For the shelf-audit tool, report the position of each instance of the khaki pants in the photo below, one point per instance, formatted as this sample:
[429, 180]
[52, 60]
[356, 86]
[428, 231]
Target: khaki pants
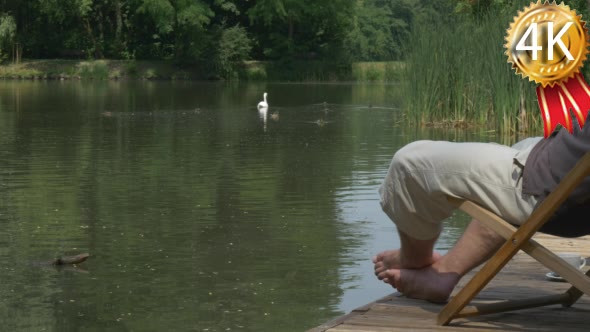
[423, 173]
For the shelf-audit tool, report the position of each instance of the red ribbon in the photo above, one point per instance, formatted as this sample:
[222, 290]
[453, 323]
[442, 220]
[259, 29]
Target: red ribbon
[555, 103]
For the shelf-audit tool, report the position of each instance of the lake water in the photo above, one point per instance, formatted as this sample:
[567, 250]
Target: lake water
[199, 212]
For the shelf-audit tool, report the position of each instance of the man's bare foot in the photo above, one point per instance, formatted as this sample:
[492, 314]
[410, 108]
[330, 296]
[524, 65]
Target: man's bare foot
[429, 283]
[393, 259]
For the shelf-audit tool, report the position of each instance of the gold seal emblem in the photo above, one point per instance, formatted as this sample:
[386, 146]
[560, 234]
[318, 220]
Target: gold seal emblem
[547, 43]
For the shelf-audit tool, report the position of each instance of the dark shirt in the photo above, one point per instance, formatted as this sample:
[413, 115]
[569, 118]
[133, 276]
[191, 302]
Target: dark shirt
[552, 158]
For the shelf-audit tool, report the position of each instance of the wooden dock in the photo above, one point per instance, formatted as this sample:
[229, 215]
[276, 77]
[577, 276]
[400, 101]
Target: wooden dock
[523, 277]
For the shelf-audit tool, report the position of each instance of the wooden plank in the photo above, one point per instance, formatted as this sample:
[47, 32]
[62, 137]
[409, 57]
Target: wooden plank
[357, 311]
[415, 319]
[519, 280]
[488, 218]
[428, 314]
[393, 313]
[360, 328]
[408, 317]
[512, 305]
[566, 271]
[575, 293]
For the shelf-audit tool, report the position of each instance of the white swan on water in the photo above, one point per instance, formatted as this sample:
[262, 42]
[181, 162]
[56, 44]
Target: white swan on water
[263, 104]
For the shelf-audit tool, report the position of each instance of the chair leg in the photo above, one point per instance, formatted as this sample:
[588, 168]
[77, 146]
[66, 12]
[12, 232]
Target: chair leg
[574, 294]
[478, 282]
[566, 299]
[496, 307]
[514, 243]
[533, 248]
[490, 269]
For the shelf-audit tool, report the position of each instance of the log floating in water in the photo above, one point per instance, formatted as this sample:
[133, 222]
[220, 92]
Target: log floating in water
[77, 259]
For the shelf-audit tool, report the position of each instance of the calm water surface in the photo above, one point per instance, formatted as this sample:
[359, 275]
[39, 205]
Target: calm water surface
[200, 213]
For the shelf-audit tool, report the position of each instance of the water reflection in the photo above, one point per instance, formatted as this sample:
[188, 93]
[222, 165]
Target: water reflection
[263, 113]
[199, 212]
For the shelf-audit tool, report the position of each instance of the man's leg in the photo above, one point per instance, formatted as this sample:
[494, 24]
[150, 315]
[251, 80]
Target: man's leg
[413, 254]
[420, 177]
[423, 174]
[436, 282]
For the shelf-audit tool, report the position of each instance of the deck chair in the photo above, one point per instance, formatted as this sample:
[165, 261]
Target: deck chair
[520, 239]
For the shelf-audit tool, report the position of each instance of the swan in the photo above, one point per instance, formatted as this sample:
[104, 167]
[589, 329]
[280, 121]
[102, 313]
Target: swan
[263, 104]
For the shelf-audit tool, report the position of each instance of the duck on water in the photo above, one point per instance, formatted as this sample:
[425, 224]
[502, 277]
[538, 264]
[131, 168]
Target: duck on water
[64, 260]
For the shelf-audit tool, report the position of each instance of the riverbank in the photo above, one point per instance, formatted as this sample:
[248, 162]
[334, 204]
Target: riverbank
[165, 70]
[96, 70]
[499, 106]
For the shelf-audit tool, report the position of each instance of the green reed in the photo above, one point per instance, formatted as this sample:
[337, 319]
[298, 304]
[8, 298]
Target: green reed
[457, 73]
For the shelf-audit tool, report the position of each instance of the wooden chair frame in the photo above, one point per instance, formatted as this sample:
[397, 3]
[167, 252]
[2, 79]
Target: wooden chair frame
[520, 239]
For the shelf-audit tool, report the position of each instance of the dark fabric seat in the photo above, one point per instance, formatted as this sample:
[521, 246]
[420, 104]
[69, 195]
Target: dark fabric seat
[569, 222]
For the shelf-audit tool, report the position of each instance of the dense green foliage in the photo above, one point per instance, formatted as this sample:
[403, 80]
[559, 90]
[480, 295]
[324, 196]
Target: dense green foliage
[214, 34]
[379, 29]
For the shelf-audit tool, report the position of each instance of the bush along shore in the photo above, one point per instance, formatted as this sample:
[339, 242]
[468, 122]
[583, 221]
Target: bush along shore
[97, 70]
[311, 71]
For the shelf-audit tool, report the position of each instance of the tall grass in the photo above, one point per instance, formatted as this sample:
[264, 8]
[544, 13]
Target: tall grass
[315, 70]
[384, 71]
[458, 73]
[98, 70]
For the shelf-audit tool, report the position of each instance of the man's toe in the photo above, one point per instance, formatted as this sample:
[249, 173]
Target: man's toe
[394, 277]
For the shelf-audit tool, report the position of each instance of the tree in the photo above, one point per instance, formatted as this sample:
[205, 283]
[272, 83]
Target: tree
[379, 29]
[234, 47]
[7, 36]
[178, 24]
[301, 28]
[74, 23]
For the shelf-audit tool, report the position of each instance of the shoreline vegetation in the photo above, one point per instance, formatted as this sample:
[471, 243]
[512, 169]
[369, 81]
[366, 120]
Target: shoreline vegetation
[464, 79]
[447, 55]
[300, 71]
[307, 71]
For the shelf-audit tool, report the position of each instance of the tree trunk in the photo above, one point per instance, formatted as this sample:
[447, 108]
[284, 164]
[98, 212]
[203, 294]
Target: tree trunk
[118, 27]
[91, 36]
[119, 21]
[178, 46]
[291, 28]
[290, 36]
[99, 52]
[17, 52]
